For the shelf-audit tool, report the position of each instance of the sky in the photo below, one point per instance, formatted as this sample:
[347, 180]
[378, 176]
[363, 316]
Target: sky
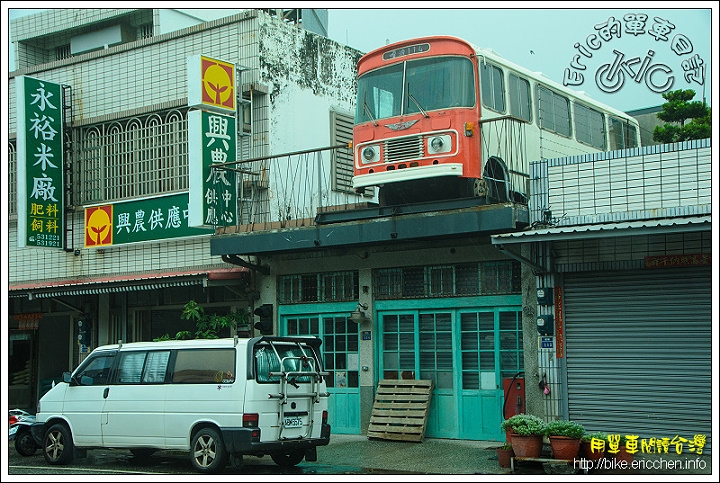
[542, 40]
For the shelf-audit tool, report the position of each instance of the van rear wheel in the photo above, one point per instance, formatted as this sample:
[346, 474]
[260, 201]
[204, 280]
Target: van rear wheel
[288, 459]
[207, 452]
[58, 447]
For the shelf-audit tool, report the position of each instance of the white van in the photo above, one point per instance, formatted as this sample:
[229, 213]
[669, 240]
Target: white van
[218, 399]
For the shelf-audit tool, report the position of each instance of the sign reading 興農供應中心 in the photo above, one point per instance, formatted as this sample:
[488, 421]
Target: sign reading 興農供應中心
[212, 142]
[40, 163]
[148, 219]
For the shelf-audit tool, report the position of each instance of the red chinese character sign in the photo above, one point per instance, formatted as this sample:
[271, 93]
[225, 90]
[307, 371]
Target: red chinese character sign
[40, 163]
[212, 141]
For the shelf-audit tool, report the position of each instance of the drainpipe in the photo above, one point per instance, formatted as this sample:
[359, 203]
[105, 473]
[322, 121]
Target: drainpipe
[236, 260]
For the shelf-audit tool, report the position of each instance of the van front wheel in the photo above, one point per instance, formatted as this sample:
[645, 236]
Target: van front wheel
[58, 448]
[288, 459]
[207, 452]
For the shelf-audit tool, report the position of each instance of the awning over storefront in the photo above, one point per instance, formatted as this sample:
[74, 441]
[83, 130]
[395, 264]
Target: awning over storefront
[126, 283]
[605, 230]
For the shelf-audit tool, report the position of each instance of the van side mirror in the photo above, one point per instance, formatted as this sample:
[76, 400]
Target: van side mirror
[66, 377]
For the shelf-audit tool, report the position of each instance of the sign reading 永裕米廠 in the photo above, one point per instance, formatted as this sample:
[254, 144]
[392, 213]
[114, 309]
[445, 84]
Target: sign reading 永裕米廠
[212, 141]
[40, 163]
[148, 219]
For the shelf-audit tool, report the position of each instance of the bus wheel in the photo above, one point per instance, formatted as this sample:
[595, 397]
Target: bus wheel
[58, 448]
[288, 459]
[475, 187]
[496, 176]
[207, 452]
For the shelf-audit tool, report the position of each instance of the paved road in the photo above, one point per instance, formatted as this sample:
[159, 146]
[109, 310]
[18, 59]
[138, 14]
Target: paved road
[167, 464]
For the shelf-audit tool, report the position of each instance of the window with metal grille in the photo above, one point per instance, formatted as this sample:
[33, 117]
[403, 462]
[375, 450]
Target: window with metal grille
[133, 157]
[62, 52]
[482, 278]
[318, 287]
[145, 31]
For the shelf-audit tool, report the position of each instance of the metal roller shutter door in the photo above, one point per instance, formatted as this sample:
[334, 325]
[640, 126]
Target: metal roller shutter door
[639, 351]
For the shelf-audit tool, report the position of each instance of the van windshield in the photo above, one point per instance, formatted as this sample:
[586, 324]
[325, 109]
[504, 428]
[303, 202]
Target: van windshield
[271, 360]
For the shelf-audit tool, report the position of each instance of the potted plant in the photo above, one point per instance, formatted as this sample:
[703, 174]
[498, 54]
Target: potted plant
[616, 447]
[526, 434]
[564, 438]
[504, 453]
[593, 450]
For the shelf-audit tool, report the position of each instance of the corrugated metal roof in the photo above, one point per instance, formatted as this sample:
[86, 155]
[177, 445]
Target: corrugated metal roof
[627, 228]
[122, 283]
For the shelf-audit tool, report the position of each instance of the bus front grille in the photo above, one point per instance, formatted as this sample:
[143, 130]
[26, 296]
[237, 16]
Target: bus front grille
[403, 149]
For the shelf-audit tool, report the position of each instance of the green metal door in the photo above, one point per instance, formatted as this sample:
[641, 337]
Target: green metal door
[466, 352]
[340, 354]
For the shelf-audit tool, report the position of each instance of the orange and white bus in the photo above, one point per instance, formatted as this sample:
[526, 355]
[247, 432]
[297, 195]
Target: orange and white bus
[439, 118]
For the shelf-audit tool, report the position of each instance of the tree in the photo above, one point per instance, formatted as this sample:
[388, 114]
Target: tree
[684, 120]
[207, 325]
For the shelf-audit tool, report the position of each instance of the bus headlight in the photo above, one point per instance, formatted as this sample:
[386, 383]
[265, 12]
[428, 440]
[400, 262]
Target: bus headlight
[439, 144]
[370, 154]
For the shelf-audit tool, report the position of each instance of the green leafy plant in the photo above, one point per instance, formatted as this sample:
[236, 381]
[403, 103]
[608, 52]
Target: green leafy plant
[620, 438]
[524, 424]
[562, 427]
[684, 118]
[207, 326]
[587, 437]
[506, 446]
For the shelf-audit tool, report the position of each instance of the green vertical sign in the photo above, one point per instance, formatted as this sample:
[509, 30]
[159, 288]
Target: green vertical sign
[40, 161]
[212, 140]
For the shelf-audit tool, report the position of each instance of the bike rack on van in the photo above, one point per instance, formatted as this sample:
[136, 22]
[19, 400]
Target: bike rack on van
[305, 367]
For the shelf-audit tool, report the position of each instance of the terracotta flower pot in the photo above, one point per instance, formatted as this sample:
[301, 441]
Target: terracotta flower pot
[623, 455]
[527, 446]
[563, 447]
[587, 452]
[504, 456]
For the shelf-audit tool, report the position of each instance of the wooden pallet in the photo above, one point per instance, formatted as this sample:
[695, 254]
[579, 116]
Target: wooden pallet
[401, 408]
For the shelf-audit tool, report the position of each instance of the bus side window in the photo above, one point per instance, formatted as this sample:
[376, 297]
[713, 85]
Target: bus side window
[520, 97]
[492, 87]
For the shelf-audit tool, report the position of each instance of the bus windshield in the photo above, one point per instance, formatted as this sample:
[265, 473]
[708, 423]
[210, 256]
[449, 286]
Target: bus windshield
[415, 86]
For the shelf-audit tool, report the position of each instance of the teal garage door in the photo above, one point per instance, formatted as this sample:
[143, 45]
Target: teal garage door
[466, 352]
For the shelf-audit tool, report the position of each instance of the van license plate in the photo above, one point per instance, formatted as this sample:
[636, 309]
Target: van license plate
[293, 422]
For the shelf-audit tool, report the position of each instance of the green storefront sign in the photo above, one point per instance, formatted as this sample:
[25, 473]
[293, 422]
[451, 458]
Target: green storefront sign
[212, 140]
[40, 163]
[149, 219]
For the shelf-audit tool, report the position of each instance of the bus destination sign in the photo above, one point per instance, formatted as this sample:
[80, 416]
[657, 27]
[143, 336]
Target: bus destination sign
[409, 50]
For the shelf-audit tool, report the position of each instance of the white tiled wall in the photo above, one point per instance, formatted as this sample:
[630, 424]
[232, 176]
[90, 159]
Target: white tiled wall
[143, 74]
